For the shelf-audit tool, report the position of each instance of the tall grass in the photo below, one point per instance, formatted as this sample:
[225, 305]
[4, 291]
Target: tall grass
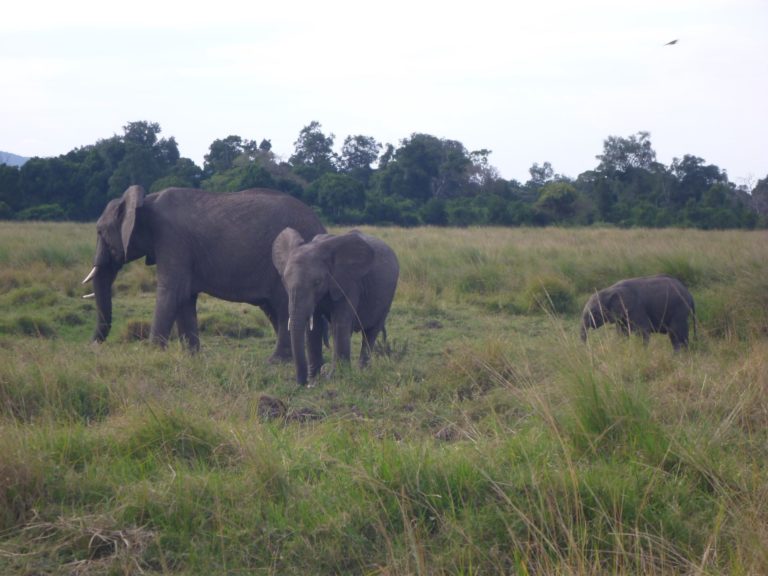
[488, 439]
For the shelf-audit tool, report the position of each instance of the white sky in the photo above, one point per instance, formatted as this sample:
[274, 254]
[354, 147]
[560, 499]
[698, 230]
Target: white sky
[536, 81]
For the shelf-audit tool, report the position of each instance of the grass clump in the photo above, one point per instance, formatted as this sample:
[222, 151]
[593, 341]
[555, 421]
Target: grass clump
[483, 280]
[136, 331]
[682, 268]
[611, 417]
[28, 325]
[37, 296]
[231, 326]
[178, 436]
[22, 486]
[30, 392]
[548, 293]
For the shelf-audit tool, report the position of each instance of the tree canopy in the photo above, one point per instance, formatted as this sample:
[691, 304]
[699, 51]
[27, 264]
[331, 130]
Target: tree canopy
[424, 179]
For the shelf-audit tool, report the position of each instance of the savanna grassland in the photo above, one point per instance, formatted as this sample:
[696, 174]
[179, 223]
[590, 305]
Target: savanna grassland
[485, 438]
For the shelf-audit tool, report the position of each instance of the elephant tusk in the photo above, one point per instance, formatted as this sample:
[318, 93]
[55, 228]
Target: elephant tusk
[312, 323]
[91, 295]
[289, 323]
[90, 276]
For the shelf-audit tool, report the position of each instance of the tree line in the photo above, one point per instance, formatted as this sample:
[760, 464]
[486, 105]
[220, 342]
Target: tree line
[424, 180]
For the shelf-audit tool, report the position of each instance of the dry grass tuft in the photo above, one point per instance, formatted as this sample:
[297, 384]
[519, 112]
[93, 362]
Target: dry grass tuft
[87, 545]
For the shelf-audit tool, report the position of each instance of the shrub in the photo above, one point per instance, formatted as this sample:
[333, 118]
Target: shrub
[21, 485]
[37, 295]
[485, 279]
[177, 435]
[51, 212]
[26, 325]
[548, 293]
[680, 267]
[136, 330]
[224, 325]
[28, 392]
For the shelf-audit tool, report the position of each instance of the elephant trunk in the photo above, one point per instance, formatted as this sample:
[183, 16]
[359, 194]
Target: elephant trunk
[102, 289]
[103, 276]
[591, 317]
[297, 325]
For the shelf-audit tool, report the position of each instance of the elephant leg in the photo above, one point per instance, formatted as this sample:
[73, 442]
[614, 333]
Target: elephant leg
[278, 316]
[678, 335]
[342, 336]
[166, 309]
[644, 327]
[366, 348]
[186, 321]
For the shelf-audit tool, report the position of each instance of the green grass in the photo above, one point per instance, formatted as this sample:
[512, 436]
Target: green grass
[486, 438]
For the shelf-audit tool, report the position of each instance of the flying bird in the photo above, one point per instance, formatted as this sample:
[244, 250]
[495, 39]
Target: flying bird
[671, 42]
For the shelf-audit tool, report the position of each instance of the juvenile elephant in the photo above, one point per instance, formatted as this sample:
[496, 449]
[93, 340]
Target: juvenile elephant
[648, 304]
[216, 243]
[349, 279]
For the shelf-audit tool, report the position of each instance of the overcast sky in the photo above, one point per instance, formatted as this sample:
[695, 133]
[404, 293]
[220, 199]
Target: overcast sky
[536, 81]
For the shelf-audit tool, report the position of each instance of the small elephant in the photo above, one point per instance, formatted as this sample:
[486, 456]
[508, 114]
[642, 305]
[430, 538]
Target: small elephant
[216, 243]
[350, 279]
[648, 304]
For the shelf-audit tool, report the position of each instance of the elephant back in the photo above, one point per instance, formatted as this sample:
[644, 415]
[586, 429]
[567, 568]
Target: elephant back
[227, 237]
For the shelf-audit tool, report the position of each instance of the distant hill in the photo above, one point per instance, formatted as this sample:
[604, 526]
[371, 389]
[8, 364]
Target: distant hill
[12, 159]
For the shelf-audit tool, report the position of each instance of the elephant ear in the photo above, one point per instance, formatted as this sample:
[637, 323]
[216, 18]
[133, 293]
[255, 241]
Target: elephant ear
[133, 198]
[285, 243]
[351, 258]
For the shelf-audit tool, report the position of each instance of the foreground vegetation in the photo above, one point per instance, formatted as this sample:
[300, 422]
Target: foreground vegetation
[485, 438]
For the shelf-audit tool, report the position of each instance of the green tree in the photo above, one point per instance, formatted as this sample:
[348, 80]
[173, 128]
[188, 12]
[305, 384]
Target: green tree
[694, 177]
[463, 212]
[433, 212]
[313, 153]
[358, 153]
[540, 175]
[557, 201]
[184, 174]
[759, 199]
[222, 153]
[10, 194]
[384, 210]
[620, 154]
[146, 158]
[482, 173]
[427, 167]
[340, 197]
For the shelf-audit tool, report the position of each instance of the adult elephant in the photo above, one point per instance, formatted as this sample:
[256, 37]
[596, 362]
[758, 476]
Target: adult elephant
[216, 243]
[349, 279]
[645, 305]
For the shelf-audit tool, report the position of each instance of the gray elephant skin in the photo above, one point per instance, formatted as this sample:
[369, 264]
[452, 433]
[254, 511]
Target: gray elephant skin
[349, 279]
[643, 305]
[216, 243]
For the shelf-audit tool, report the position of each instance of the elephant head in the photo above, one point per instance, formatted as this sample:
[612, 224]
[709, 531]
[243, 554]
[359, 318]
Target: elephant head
[602, 307]
[118, 242]
[328, 267]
